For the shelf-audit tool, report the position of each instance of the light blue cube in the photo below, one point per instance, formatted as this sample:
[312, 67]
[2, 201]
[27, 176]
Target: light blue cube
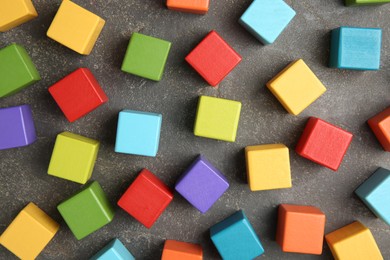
[375, 193]
[115, 250]
[266, 19]
[356, 48]
[138, 133]
[235, 238]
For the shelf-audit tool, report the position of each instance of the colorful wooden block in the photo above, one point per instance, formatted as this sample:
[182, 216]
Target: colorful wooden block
[375, 193]
[17, 127]
[266, 19]
[189, 6]
[75, 27]
[15, 12]
[17, 71]
[296, 87]
[202, 184]
[380, 125]
[29, 232]
[235, 238]
[86, 211]
[73, 157]
[213, 58]
[115, 250]
[138, 133]
[356, 48]
[324, 143]
[78, 94]
[300, 229]
[146, 198]
[365, 2]
[217, 118]
[177, 250]
[268, 167]
[146, 56]
[353, 241]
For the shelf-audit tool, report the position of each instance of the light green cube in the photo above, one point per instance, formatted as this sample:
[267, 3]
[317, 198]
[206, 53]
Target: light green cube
[217, 118]
[73, 157]
[365, 2]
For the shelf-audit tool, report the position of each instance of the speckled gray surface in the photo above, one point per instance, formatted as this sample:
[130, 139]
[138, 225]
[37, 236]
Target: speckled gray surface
[352, 97]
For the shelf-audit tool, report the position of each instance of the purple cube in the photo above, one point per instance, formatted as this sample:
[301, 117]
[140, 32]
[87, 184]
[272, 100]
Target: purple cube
[16, 127]
[202, 184]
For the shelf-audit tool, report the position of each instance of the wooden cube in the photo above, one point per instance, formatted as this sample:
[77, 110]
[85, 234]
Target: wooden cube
[177, 250]
[268, 167]
[29, 232]
[300, 229]
[115, 250]
[189, 6]
[296, 87]
[324, 143]
[353, 241]
[15, 12]
[75, 27]
[73, 157]
[380, 125]
[365, 2]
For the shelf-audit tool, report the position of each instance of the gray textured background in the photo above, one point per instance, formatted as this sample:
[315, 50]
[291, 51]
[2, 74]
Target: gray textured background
[351, 98]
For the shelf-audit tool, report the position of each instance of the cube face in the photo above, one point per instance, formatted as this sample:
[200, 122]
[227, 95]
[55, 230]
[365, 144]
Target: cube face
[17, 71]
[353, 241]
[146, 198]
[296, 87]
[86, 211]
[365, 2]
[115, 250]
[189, 6]
[300, 229]
[16, 12]
[75, 27]
[380, 125]
[177, 250]
[268, 167]
[78, 94]
[146, 56]
[324, 143]
[217, 118]
[29, 232]
[356, 48]
[235, 238]
[138, 133]
[202, 184]
[375, 193]
[266, 19]
[213, 58]
[17, 127]
[73, 157]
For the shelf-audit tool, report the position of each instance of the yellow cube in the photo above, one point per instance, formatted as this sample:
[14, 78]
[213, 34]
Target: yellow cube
[29, 233]
[353, 241]
[268, 167]
[75, 27]
[15, 12]
[296, 87]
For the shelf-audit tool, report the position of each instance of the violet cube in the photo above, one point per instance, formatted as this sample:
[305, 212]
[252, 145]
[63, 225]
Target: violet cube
[16, 127]
[202, 184]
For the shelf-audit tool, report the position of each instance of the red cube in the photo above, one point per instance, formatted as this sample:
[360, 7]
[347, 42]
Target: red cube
[146, 198]
[380, 125]
[213, 58]
[324, 143]
[78, 94]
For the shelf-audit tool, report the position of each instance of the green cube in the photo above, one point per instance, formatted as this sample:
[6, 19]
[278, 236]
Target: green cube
[365, 2]
[17, 71]
[87, 211]
[217, 118]
[146, 56]
[73, 157]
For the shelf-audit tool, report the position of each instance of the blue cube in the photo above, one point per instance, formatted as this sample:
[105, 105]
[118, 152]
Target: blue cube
[235, 238]
[115, 250]
[266, 19]
[375, 193]
[356, 48]
[138, 133]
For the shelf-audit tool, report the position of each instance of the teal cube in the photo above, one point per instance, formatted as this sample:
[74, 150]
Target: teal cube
[235, 238]
[138, 133]
[375, 193]
[86, 211]
[115, 250]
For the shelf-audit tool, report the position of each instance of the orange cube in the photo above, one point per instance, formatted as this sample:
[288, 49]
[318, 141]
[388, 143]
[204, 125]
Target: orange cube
[300, 229]
[176, 250]
[189, 6]
[380, 125]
